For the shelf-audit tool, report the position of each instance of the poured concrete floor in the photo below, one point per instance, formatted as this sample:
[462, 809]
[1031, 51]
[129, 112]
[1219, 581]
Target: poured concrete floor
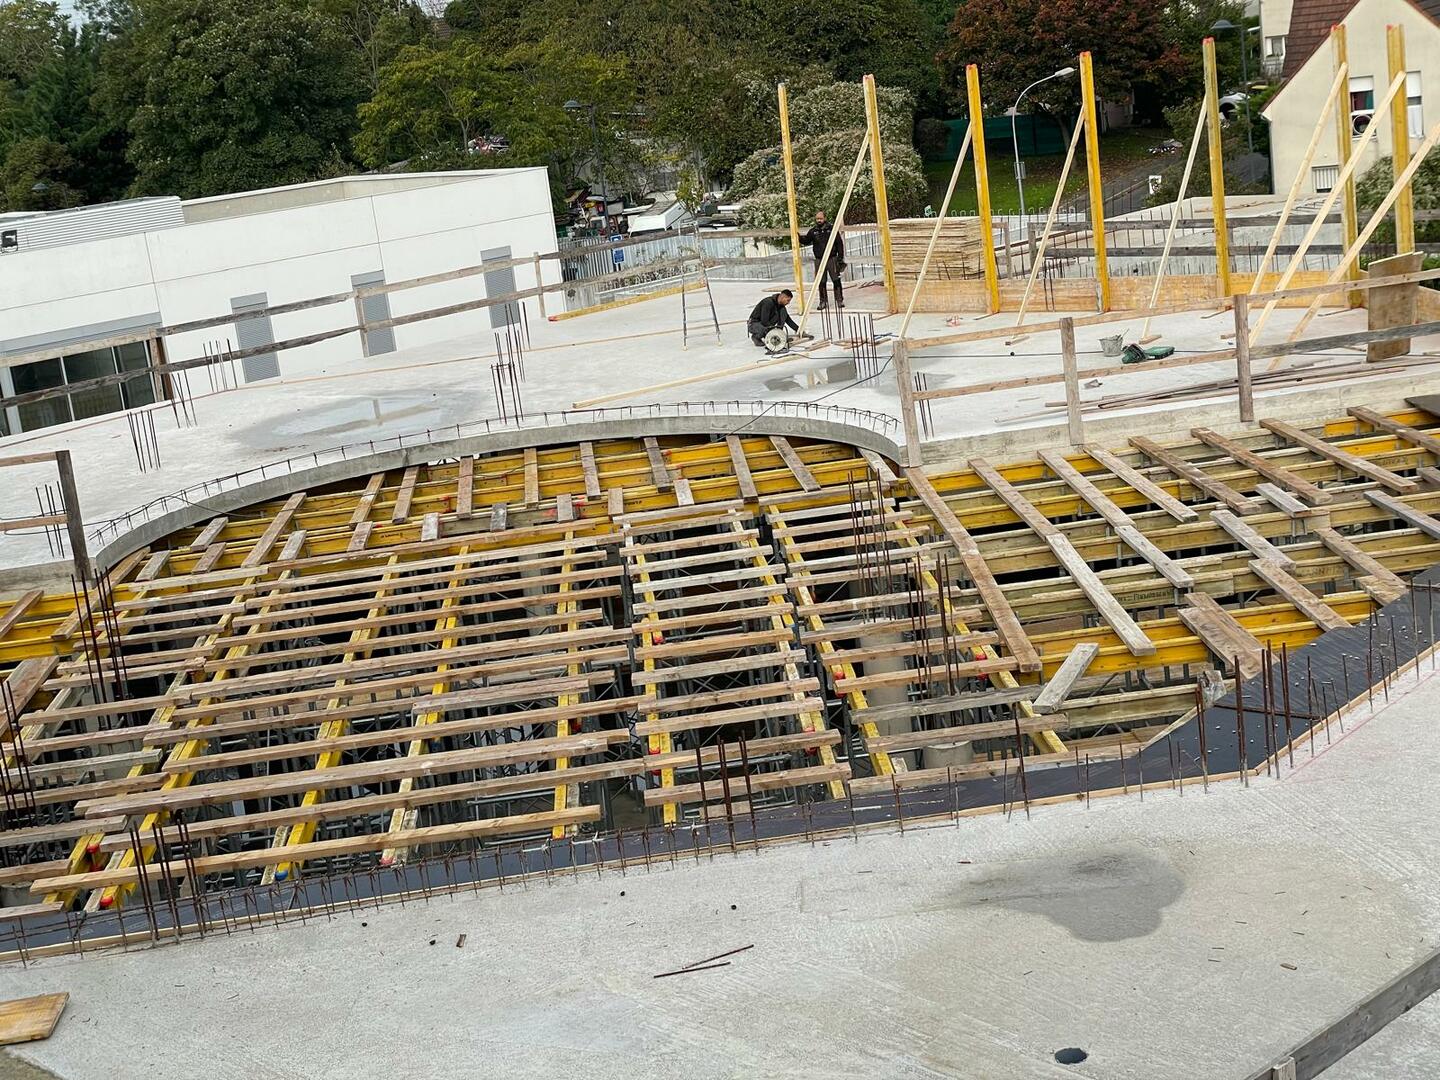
[438, 386]
[1155, 936]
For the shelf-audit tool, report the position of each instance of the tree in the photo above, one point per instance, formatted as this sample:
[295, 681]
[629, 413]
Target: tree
[827, 126]
[1371, 188]
[33, 177]
[379, 29]
[1016, 42]
[236, 95]
[1177, 73]
[30, 32]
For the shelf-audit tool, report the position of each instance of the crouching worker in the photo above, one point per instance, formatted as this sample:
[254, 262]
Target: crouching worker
[770, 313]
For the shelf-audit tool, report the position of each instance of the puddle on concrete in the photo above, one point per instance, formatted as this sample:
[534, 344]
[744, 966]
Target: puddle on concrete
[781, 386]
[840, 372]
[1108, 896]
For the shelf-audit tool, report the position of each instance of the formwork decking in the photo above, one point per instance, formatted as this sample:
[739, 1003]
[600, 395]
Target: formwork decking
[557, 641]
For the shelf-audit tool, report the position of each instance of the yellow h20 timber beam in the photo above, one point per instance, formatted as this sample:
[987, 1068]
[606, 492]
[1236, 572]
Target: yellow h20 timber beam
[882, 202]
[982, 190]
[788, 158]
[1092, 169]
[1344, 145]
[1400, 138]
[1217, 172]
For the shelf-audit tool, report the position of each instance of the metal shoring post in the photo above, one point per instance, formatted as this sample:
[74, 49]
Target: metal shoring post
[1242, 751]
[1200, 731]
[1285, 694]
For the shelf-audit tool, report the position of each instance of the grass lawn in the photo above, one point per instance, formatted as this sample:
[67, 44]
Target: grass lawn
[1120, 152]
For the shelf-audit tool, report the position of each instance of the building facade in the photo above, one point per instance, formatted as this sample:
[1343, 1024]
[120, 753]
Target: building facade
[1309, 71]
[71, 279]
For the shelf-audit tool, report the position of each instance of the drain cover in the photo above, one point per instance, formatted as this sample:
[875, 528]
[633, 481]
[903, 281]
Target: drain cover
[1070, 1055]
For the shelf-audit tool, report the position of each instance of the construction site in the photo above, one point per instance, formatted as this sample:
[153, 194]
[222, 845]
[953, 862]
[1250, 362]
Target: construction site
[1029, 673]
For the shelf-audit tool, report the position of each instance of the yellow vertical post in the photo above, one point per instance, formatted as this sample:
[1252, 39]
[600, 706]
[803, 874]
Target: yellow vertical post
[1217, 172]
[982, 189]
[1400, 137]
[785, 153]
[1092, 169]
[882, 203]
[1344, 145]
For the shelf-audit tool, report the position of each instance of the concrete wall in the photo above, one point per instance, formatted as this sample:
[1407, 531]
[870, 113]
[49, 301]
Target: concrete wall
[1295, 109]
[292, 249]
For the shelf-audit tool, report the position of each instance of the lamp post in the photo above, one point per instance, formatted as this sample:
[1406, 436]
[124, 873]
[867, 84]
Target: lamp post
[1219, 27]
[575, 106]
[1015, 142]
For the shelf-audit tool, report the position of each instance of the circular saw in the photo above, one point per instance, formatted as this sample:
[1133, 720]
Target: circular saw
[780, 339]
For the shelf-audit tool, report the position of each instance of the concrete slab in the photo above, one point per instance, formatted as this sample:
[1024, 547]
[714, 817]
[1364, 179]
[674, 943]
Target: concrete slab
[577, 359]
[1185, 935]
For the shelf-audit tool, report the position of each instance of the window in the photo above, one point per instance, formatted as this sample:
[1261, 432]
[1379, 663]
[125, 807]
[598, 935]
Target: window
[78, 367]
[1362, 104]
[41, 376]
[1275, 48]
[1323, 177]
[1414, 112]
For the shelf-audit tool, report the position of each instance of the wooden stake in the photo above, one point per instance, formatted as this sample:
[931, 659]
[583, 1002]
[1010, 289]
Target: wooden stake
[1345, 147]
[788, 159]
[1074, 423]
[1217, 170]
[882, 204]
[1400, 142]
[982, 191]
[1174, 222]
[1242, 357]
[1092, 166]
[1039, 257]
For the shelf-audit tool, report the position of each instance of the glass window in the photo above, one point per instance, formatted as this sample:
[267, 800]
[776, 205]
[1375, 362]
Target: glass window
[1362, 104]
[1275, 46]
[94, 400]
[41, 376]
[140, 390]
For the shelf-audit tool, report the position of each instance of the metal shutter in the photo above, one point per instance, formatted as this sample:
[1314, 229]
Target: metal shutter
[250, 333]
[376, 309]
[500, 283]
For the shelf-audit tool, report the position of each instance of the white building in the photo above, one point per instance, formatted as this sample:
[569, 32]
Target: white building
[1309, 70]
[78, 276]
[1274, 30]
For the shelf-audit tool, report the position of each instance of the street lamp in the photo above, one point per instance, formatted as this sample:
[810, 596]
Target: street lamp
[1015, 141]
[1219, 27]
[575, 106]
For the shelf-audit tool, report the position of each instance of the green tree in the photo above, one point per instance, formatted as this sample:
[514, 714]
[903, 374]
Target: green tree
[827, 126]
[30, 32]
[33, 174]
[1372, 187]
[236, 95]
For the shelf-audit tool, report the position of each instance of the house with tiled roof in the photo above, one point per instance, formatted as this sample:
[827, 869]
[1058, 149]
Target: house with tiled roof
[1306, 62]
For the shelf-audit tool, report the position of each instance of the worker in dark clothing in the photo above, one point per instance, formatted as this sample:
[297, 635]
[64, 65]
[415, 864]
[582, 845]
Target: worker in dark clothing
[817, 238]
[768, 314]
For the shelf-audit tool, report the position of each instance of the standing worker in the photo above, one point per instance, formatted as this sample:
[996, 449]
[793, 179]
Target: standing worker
[769, 314]
[817, 237]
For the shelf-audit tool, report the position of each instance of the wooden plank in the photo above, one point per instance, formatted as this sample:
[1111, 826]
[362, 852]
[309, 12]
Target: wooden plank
[30, 1019]
[1286, 503]
[360, 537]
[880, 467]
[209, 534]
[1142, 484]
[1429, 476]
[294, 544]
[1019, 505]
[28, 911]
[1360, 560]
[741, 465]
[1250, 540]
[17, 610]
[465, 489]
[564, 507]
[1126, 628]
[991, 595]
[150, 571]
[1195, 476]
[208, 561]
[1406, 513]
[1413, 436]
[532, 476]
[1218, 630]
[760, 781]
[1346, 460]
[1165, 566]
[272, 532]
[499, 515]
[803, 476]
[1063, 681]
[1274, 473]
[683, 495]
[659, 471]
[616, 502]
[592, 474]
[975, 699]
[964, 734]
[404, 496]
[430, 527]
[367, 499]
[1305, 601]
[26, 680]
